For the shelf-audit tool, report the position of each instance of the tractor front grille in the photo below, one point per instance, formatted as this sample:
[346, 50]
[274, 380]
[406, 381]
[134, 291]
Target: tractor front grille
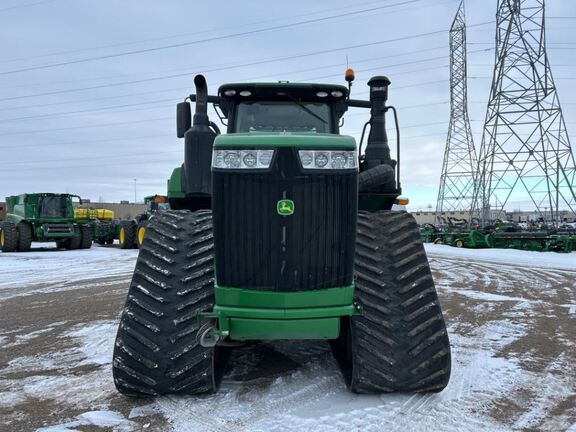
[258, 249]
[56, 228]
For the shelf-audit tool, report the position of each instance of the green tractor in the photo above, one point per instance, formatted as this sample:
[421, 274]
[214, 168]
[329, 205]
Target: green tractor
[131, 233]
[42, 217]
[281, 230]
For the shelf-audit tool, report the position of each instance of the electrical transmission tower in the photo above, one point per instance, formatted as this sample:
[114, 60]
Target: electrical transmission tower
[525, 157]
[459, 167]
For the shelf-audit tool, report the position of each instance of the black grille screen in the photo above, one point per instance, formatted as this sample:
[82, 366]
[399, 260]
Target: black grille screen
[256, 248]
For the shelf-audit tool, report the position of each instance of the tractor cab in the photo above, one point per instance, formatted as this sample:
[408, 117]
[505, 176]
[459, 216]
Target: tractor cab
[283, 107]
[54, 206]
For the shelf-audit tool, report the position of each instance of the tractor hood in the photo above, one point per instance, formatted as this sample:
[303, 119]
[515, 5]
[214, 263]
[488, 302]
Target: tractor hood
[285, 139]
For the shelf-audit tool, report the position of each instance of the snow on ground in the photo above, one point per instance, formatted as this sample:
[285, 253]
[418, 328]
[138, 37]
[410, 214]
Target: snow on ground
[511, 324]
[551, 260]
[101, 418]
[59, 269]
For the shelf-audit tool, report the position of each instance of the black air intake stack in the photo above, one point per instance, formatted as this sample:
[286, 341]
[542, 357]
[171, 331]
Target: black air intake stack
[377, 149]
[198, 142]
[378, 169]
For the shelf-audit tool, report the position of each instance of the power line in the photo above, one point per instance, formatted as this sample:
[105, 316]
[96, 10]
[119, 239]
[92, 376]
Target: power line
[391, 66]
[153, 159]
[98, 141]
[200, 41]
[254, 63]
[97, 99]
[53, 168]
[87, 126]
[57, 114]
[57, 53]
[247, 79]
[27, 5]
[108, 109]
[68, 113]
[191, 71]
[139, 138]
[116, 156]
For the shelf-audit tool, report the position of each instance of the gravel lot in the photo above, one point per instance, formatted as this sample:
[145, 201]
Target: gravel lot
[511, 318]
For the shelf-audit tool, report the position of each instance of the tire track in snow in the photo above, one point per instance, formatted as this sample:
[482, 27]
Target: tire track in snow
[303, 386]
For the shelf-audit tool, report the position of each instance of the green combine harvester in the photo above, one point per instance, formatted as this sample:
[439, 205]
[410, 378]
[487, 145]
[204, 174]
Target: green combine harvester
[282, 229]
[42, 217]
[131, 234]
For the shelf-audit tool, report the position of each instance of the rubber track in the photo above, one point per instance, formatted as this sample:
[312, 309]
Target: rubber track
[156, 351]
[400, 342]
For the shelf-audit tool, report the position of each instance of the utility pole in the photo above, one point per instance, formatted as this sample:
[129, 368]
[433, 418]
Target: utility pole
[525, 153]
[135, 191]
[456, 191]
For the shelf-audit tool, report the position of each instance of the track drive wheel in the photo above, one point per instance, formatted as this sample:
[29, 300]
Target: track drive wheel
[140, 233]
[24, 236]
[459, 243]
[8, 237]
[126, 235]
[157, 350]
[85, 237]
[399, 342]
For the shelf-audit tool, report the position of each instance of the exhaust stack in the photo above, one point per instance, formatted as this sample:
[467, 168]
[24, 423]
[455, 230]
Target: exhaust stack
[377, 149]
[201, 114]
[198, 141]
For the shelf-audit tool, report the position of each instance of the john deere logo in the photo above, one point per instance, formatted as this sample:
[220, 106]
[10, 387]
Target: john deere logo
[285, 207]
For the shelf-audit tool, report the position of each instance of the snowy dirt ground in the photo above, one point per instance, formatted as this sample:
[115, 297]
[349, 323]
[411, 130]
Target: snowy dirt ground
[511, 317]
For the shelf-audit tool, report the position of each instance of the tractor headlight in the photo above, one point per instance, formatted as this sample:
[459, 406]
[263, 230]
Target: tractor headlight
[328, 159]
[320, 159]
[242, 159]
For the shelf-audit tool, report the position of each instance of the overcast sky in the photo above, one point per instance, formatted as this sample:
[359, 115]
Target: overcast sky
[88, 88]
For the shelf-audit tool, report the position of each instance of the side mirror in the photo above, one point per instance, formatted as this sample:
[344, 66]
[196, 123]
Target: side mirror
[183, 118]
[80, 201]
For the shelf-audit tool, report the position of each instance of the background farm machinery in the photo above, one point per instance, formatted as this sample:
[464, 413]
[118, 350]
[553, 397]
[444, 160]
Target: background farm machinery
[42, 217]
[501, 234]
[105, 228]
[131, 232]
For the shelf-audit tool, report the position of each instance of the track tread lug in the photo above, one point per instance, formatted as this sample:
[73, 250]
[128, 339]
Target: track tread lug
[399, 343]
[156, 350]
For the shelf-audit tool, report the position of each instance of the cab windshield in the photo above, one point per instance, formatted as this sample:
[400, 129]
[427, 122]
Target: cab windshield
[272, 116]
[53, 207]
